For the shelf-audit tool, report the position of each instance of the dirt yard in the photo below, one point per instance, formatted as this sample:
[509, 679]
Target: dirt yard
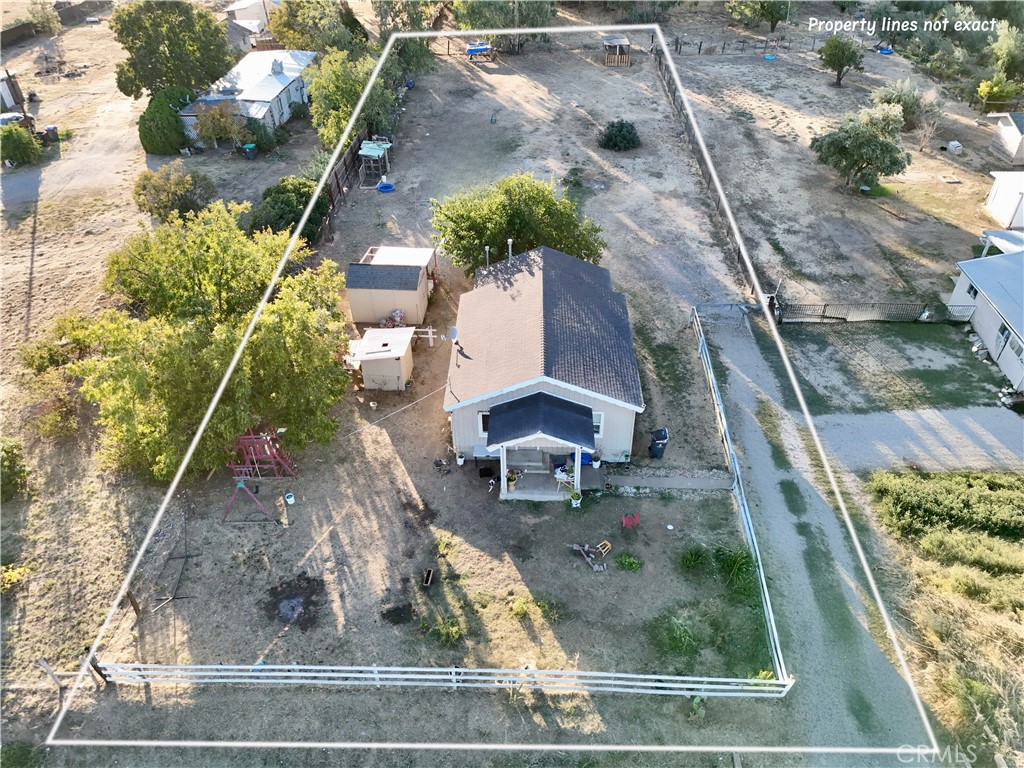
[663, 254]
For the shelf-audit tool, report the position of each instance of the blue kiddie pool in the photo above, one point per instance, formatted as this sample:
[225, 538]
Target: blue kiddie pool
[885, 51]
[386, 186]
[769, 57]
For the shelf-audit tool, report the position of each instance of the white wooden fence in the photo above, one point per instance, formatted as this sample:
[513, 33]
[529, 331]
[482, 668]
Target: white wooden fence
[549, 681]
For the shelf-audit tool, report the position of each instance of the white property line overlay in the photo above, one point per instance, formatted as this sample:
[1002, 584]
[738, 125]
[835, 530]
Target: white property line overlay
[908, 750]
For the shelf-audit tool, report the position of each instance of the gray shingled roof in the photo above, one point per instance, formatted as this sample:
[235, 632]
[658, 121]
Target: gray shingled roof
[541, 414]
[1018, 120]
[391, 277]
[544, 314]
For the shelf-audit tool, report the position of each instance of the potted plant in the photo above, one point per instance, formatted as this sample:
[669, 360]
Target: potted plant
[595, 460]
[460, 458]
[575, 498]
[510, 479]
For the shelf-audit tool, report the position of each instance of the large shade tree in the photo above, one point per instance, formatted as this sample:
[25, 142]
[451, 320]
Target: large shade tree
[336, 87]
[865, 145]
[840, 55]
[168, 43]
[505, 14]
[520, 207]
[194, 284]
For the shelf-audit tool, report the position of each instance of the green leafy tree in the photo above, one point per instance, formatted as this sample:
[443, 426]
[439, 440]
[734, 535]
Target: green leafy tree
[909, 98]
[160, 128]
[317, 25]
[865, 145]
[405, 16]
[505, 14]
[995, 93]
[840, 55]
[755, 11]
[168, 43]
[201, 266]
[173, 189]
[43, 17]
[18, 145]
[219, 122]
[283, 204]
[1008, 50]
[335, 89]
[519, 207]
[646, 11]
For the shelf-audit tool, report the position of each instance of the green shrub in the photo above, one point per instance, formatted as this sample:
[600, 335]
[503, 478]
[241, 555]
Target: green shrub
[264, 138]
[160, 129]
[628, 562]
[693, 558]
[17, 145]
[13, 472]
[736, 567]
[675, 633]
[56, 404]
[448, 630]
[21, 754]
[283, 204]
[172, 189]
[520, 607]
[996, 556]
[69, 339]
[904, 93]
[619, 135]
[550, 609]
[299, 110]
[12, 577]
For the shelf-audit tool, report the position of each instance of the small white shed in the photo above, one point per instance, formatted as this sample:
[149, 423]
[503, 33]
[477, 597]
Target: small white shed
[1006, 199]
[384, 357]
[389, 278]
[1008, 141]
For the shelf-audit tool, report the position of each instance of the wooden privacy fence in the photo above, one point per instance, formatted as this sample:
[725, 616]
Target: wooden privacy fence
[774, 646]
[704, 163]
[343, 171]
[550, 681]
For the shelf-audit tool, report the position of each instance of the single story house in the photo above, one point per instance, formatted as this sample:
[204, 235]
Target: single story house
[1008, 141]
[390, 278]
[1006, 199]
[543, 371]
[252, 10]
[263, 85]
[993, 285]
[383, 357]
[242, 34]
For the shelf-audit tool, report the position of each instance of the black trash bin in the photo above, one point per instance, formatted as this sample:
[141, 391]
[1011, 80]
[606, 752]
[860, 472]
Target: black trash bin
[250, 151]
[659, 439]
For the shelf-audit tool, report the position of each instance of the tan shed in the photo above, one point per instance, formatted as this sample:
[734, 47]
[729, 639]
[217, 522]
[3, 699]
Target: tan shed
[389, 278]
[384, 356]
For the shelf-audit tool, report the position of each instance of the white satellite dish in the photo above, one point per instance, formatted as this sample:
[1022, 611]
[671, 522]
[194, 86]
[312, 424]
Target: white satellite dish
[453, 334]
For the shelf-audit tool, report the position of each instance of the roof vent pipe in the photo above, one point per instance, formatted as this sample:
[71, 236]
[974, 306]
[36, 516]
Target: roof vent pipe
[487, 255]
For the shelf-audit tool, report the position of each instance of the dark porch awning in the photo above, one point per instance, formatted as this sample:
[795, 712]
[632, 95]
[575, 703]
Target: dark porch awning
[541, 415]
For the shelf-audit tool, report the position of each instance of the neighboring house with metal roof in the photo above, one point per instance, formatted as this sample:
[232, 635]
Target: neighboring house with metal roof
[263, 86]
[543, 371]
[389, 278]
[1008, 141]
[994, 286]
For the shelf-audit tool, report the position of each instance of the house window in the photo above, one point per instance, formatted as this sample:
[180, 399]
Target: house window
[972, 291]
[483, 419]
[598, 424]
[1004, 332]
[1016, 346]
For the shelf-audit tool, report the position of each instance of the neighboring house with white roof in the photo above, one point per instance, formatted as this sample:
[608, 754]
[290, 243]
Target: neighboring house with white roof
[389, 278]
[543, 371]
[1008, 141]
[1006, 199]
[994, 286]
[263, 86]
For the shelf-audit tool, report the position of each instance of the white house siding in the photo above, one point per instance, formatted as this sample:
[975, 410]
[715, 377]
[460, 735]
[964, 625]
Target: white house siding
[1006, 199]
[986, 322]
[1008, 142]
[615, 442]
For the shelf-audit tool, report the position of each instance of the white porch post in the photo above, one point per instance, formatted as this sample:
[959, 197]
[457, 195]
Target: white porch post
[504, 471]
[576, 463]
[988, 244]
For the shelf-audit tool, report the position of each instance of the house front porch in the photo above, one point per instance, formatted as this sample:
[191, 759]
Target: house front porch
[536, 485]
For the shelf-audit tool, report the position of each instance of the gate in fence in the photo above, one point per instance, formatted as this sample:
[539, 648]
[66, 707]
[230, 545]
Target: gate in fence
[821, 313]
